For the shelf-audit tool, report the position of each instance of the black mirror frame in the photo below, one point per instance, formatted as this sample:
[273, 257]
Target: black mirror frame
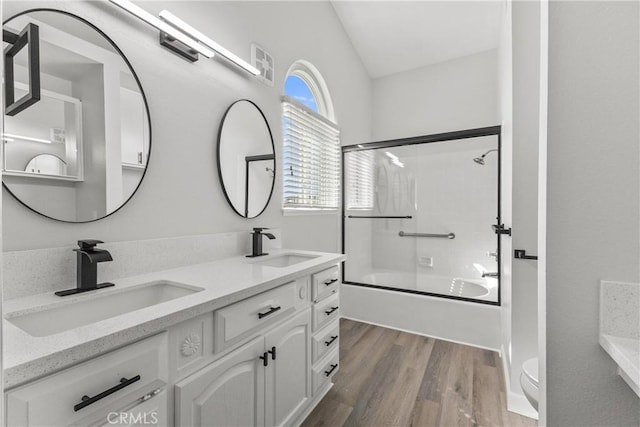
[144, 99]
[275, 165]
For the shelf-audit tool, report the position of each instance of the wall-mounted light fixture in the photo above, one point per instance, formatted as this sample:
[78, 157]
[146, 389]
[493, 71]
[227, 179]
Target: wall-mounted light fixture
[9, 137]
[165, 28]
[182, 38]
[197, 35]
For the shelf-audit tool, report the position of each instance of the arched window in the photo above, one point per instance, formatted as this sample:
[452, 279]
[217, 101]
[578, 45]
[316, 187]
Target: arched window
[311, 142]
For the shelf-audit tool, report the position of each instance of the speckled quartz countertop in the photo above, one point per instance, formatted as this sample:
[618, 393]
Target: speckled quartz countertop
[224, 282]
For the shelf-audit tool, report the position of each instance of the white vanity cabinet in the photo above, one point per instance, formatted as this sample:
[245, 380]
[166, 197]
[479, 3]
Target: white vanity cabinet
[264, 382]
[265, 360]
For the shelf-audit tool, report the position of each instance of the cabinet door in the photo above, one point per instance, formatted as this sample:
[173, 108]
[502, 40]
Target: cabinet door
[229, 392]
[288, 385]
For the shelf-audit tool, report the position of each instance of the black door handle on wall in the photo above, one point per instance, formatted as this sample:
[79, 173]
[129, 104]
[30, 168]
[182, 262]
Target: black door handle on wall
[522, 254]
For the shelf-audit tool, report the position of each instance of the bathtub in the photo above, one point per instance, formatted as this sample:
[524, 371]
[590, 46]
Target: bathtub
[480, 289]
[465, 322]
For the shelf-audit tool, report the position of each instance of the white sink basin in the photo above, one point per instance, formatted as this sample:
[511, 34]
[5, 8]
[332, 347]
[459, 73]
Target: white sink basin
[285, 260]
[97, 306]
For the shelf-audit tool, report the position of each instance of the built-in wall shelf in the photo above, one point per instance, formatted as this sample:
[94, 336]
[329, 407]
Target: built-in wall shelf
[133, 166]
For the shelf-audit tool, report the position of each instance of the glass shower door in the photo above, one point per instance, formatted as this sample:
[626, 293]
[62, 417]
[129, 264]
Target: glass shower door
[417, 217]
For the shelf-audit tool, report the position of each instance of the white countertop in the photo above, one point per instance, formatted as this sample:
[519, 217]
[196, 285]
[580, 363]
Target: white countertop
[626, 353]
[224, 282]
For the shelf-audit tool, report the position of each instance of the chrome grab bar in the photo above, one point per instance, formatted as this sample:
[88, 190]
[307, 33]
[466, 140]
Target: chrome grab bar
[439, 236]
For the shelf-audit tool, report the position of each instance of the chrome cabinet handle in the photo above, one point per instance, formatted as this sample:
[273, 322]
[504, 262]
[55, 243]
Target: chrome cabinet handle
[267, 313]
[86, 400]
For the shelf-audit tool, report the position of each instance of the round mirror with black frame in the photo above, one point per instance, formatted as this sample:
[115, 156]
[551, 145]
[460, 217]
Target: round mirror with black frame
[92, 115]
[246, 158]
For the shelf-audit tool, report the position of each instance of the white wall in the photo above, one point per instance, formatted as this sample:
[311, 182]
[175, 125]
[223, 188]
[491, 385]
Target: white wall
[181, 194]
[593, 203]
[524, 193]
[505, 60]
[452, 95]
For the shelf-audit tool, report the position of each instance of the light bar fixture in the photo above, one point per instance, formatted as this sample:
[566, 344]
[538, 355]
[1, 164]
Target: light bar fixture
[206, 41]
[164, 27]
[8, 137]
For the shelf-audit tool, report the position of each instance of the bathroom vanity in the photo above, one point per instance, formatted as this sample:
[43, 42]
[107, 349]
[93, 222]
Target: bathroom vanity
[239, 341]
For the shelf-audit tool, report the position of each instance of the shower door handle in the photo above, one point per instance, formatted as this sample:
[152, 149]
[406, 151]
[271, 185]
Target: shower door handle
[500, 229]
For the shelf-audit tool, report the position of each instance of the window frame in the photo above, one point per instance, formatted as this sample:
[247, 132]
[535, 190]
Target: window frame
[318, 88]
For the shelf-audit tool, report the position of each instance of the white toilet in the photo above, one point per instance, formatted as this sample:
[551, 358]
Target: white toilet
[529, 381]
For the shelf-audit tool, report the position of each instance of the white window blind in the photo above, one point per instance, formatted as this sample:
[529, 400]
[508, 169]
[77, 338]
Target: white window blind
[311, 158]
[359, 171]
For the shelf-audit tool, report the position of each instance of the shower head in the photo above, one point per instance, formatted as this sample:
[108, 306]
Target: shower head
[480, 160]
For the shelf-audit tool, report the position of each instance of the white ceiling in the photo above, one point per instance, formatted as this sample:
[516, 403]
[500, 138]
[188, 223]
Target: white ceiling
[396, 36]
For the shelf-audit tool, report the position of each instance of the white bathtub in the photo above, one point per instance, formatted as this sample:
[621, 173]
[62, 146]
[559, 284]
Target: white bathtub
[480, 289]
[466, 322]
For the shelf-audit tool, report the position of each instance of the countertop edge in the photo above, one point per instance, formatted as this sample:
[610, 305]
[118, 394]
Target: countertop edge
[629, 367]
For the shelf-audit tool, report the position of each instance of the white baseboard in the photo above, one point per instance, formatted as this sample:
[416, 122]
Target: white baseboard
[421, 334]
[516, 400]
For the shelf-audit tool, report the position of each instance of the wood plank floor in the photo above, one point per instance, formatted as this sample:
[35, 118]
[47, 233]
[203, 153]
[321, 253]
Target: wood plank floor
[393, 378]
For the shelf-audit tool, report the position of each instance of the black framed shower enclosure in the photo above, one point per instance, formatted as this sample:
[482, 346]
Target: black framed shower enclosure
[419, 215]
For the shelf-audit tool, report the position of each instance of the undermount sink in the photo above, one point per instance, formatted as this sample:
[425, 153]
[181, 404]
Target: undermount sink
[89, 309]
[285, 260]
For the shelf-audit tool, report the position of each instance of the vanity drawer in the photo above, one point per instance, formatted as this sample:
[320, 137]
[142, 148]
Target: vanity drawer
[325, 340]
[51, 400]
[325, 370]
[325, 283]
[238, 321]
[325, 311]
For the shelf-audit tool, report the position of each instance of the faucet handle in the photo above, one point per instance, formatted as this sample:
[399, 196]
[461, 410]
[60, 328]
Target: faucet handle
[259, 229]
[88, 244]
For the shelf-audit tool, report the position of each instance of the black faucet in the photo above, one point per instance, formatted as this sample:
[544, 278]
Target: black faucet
[87, 270]
[257, 242]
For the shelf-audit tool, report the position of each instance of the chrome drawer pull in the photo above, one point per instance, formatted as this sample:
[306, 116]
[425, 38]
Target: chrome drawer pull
[333, 367]
[333, 338]
[328, 312]
[271, 311]
[328, 282]
[86, 400]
